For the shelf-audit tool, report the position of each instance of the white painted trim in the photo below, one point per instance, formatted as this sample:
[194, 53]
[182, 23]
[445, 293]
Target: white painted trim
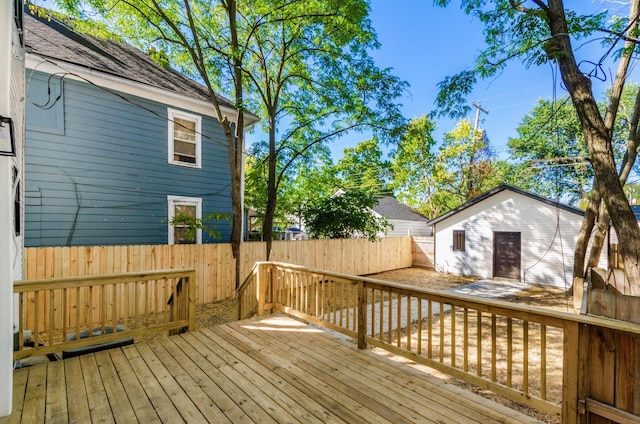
[173, 113]
[171, 98]
[6, 212]
[172, 201]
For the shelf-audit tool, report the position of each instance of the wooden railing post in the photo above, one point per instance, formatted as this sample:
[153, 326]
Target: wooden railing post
[362, 315]
[192, 300]
[571, 378]
[260, 286]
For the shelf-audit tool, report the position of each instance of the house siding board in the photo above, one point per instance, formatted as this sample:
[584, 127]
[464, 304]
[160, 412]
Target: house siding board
[114, 154]
[511, 212]
[402, 228]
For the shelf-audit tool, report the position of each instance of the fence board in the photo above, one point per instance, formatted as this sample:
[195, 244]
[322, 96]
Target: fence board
[214, 262]
[614, 357]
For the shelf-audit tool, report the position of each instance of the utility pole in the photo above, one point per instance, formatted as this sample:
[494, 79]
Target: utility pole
[477, 138]
[478, 110]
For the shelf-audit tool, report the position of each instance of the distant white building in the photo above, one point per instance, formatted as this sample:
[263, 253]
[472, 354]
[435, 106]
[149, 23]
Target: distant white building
[509, 233]
[405, 221]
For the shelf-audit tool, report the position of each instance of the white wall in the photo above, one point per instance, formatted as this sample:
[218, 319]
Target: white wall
[403, 228]
[11, 105]
[547, 257]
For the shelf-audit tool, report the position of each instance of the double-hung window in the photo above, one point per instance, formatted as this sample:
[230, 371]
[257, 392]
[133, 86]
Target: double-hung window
[184, 139]
[458, 240]
[181, 233]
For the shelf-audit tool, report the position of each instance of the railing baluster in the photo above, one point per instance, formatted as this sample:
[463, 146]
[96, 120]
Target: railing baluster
[51, 316]
[341, 305]
[453, 335]
[543, 361]
[525, 357]
[419, 347]
[65, 312]
[479, 343]
[103, 308]
[493, 347]
[78, 303]
[36, 319]
[441, 310]
[409, 323]
[509, 351]
[465, 360]
[21, 318]
[390, 306]
[429, 329]
[381, 315]
[398, 319]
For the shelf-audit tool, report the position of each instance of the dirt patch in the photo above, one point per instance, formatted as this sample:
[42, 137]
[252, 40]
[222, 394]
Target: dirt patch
[422, 277]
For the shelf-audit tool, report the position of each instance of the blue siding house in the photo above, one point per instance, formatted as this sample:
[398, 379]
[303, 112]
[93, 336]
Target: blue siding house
[116, 145]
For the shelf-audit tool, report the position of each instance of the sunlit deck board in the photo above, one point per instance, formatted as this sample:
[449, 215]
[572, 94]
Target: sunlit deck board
[273, 369]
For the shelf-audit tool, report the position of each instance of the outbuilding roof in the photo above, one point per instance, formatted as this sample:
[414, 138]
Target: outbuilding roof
[50, 38]
[390, 208]
[499, 189]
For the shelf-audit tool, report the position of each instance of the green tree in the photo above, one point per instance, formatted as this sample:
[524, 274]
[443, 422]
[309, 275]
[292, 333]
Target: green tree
[542, 31]
[344, 215]
[463, 167]
[203, 39]
[552, 150]
[363, 167]
[302, 65]
[411, 165]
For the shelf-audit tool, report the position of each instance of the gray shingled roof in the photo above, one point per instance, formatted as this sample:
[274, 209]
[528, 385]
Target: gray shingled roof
[52, 39]
[390, 208]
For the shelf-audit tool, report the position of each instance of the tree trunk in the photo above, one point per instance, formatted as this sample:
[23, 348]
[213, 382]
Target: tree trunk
[598, 141]
[272, 190]
[236, 149]
[588, 222]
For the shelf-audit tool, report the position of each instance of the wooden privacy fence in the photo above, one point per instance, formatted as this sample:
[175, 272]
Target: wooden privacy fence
[74, 312]
[422, 251]
[531, 355]
[214, 262]
[614, 360]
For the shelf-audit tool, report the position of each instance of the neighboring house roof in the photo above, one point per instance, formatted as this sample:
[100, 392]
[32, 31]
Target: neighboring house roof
[499, 189]
[390, 208]
[50, 38]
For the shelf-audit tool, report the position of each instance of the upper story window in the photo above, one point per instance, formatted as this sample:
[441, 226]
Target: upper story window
[184, 139]
[184, 206]
[458, 240]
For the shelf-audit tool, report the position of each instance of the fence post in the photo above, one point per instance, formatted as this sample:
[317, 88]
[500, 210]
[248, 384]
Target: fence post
[575, 344]
[192, 300]
[362, 315]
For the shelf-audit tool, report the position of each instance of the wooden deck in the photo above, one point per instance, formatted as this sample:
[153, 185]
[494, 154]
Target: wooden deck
[269, 370]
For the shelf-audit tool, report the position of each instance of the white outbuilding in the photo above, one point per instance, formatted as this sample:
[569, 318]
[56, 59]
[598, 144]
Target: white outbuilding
[509, 233]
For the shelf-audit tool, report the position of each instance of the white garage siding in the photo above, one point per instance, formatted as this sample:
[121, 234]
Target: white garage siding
[546, 254]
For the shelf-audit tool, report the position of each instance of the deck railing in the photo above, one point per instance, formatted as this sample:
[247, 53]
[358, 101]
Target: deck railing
[531, 355]
[76, 312]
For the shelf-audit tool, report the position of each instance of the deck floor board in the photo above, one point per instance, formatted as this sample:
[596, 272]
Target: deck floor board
[273, 369]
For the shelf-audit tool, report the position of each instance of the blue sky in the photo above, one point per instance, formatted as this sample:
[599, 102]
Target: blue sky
[424, 44]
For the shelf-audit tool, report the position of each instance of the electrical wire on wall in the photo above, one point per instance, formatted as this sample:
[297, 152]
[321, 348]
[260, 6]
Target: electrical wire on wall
[52, 100]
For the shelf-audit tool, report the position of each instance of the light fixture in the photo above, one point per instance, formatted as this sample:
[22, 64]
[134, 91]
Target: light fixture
[7, 137]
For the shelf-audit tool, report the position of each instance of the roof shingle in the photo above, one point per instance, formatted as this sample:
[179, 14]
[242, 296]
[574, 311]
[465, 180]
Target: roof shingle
[52, 39]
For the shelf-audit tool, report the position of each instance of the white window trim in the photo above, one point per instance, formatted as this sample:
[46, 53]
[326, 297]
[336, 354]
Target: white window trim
[172, 201]
[173, 113]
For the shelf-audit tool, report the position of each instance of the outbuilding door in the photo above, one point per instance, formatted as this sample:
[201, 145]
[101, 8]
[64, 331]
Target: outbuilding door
[506, 255]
